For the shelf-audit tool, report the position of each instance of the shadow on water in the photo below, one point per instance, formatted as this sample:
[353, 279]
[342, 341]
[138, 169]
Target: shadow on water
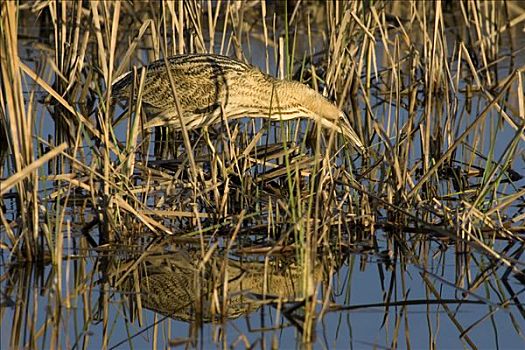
[287, 237]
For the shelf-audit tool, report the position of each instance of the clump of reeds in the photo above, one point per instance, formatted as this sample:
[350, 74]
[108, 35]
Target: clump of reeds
[442, 119]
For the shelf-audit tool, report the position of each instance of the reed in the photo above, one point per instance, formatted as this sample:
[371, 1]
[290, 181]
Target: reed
[433, 91]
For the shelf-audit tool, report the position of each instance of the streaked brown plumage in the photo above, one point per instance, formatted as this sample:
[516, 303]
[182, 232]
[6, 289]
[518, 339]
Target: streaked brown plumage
[208, 85]
[177, 284]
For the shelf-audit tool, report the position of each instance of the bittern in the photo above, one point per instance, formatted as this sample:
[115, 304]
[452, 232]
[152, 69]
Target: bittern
[210, 86]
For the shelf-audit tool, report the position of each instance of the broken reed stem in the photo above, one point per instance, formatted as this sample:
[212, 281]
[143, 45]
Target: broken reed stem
[400, 79]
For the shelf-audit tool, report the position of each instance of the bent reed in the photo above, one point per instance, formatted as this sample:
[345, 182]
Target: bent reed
[95, 212]
[209, 86]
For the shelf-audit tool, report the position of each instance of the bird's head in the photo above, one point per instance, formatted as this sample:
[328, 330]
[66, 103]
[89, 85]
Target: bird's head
[328, 114]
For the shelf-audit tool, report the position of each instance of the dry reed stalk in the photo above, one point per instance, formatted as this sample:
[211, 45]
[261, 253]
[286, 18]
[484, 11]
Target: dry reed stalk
[304, 193]
[19, 131]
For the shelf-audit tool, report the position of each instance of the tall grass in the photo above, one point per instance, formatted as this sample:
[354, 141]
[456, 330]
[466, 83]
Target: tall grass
[435, 91]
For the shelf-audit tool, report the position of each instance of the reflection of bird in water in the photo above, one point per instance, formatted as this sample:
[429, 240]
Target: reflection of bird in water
[209, 86]
[175, 286]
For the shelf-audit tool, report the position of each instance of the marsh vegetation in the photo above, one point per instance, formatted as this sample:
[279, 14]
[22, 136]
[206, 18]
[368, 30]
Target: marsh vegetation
[259, 233]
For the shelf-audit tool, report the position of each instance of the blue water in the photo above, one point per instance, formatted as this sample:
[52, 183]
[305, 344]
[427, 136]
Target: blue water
[363, 280]
[352, 285]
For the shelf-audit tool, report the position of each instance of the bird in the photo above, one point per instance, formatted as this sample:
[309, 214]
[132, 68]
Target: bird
[210, 86]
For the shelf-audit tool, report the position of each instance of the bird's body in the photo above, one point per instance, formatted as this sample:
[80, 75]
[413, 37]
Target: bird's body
[209, 86]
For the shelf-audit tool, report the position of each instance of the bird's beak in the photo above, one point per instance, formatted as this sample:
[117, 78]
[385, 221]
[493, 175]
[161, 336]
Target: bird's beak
[343, 127]
[349, 132]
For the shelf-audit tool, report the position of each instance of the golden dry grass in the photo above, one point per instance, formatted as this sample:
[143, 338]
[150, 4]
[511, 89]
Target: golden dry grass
[434, 90]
